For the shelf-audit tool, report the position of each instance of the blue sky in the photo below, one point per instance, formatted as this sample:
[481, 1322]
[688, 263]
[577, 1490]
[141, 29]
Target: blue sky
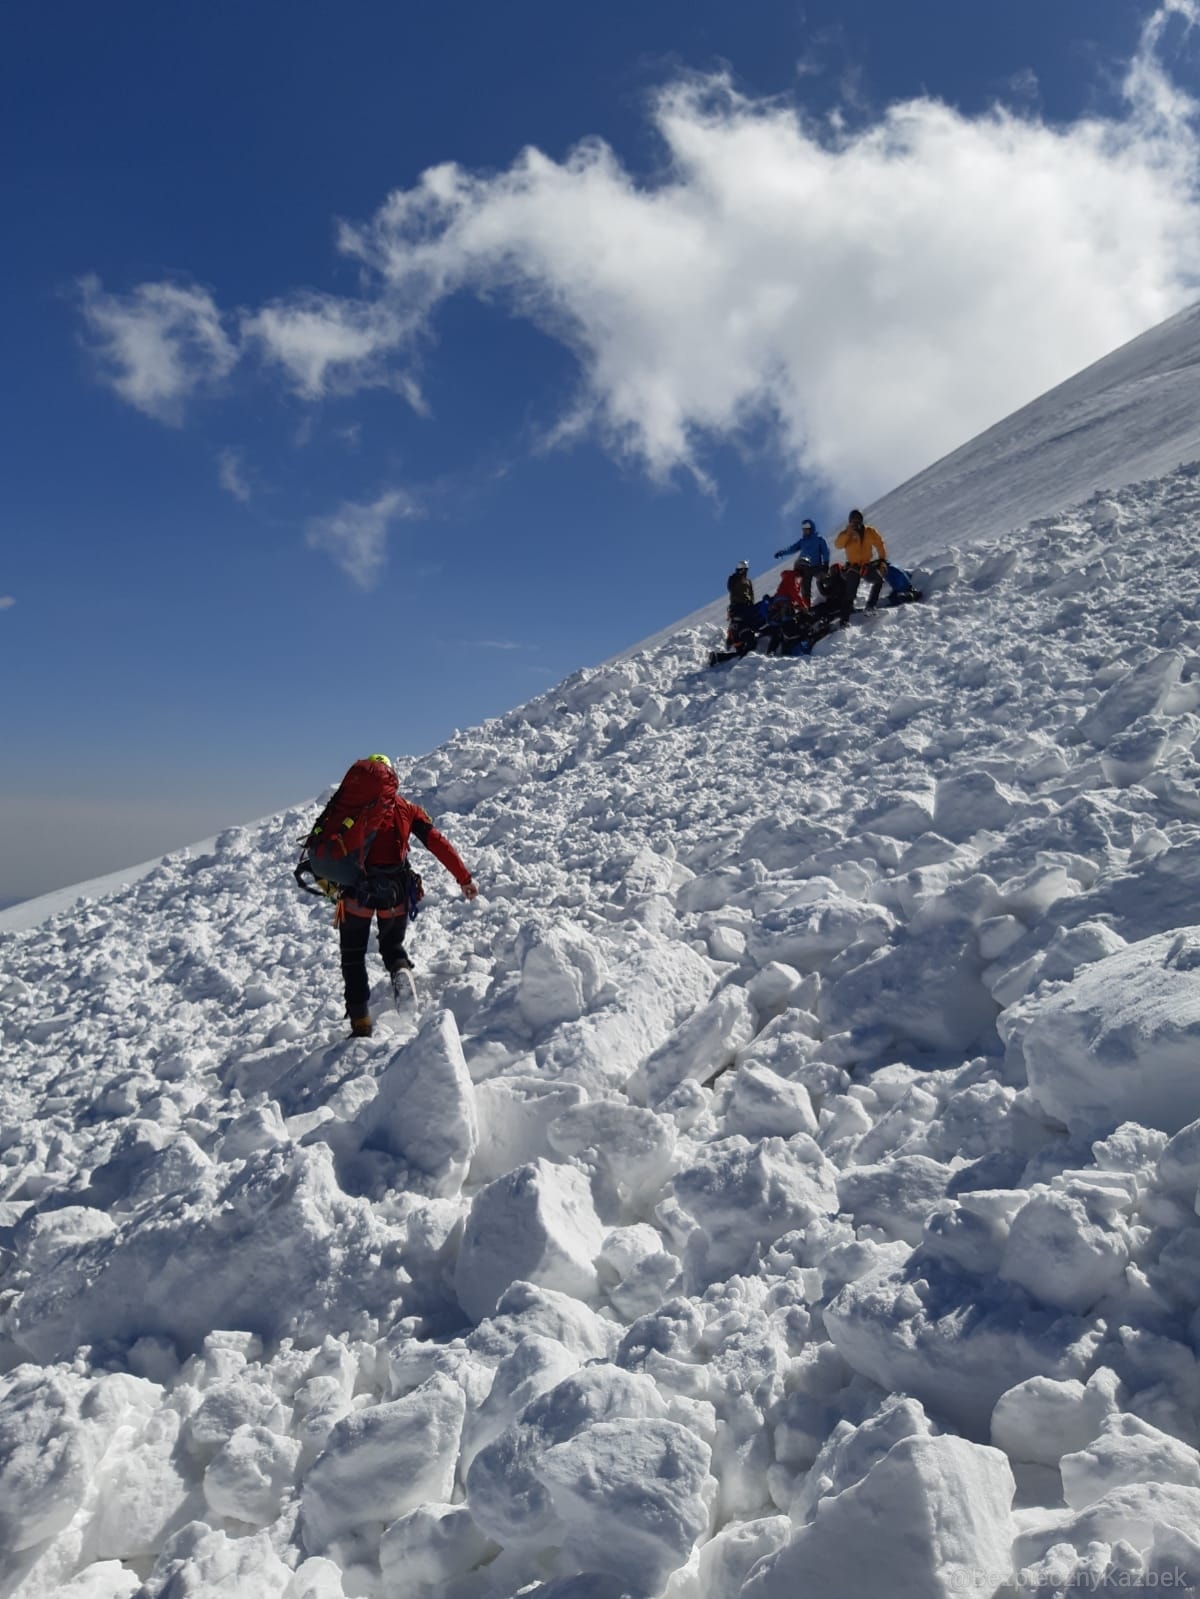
[293, 471]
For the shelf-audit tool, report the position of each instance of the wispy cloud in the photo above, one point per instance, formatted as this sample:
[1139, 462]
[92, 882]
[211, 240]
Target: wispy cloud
[329, 346]
[7, 601]
[232, 475]
[496, 644]
[356, 534]
[157, 345]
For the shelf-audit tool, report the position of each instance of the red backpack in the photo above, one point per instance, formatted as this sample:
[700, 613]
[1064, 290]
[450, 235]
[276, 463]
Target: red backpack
[335, 851]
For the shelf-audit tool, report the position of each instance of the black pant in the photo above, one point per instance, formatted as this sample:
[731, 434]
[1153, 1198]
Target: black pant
[853, 578]
[353, 934]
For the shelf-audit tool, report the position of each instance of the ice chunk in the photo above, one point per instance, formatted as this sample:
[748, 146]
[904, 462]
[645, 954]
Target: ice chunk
[632, 1496]
[424, 1112]
[705, 1044]
[629, 1149]
[955, 1341]
[741, 1194]
[1126, 1450]
[1042, 1420]
[931, 1520]
[562, 968]
[505, 1491]
[967, 802]
[1142, 691]
[895, 1196]
[513, 1115]
[764, 1104]
[424, 1552]
[1119, 1042]
[383, 1461]
[536, 1224]
[250, 1475]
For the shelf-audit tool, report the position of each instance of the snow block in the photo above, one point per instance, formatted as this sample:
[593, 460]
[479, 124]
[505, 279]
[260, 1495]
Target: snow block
[1147, 1516]
[1042, 1420]
[562, 969]
[718, 1568]
[925, 990]
[955, 1341]
[742, 1194]
[424, 1552]
[1126, 1451]
[1120, 1042]
[424, 1113]
[506, 1493]
[1179, 1163]
[250, 1476]
[536, 1224]
[1133, 754]
[1142, 691]
[970, 802]
[808, 934]
[45, 1458]
[765, 1105]
[903, 816]
[653, 992]
[384, 1461]
[706, 1044]
[1063, 1251]
[629, 1150]
[513, 1115]
[896, 1196]
[931, 1520]
[632, 1496]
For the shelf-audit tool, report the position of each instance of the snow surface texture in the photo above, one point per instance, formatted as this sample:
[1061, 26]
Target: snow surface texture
[788, 1186]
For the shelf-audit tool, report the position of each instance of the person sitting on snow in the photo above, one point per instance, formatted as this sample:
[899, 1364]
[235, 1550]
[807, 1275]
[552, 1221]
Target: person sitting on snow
[833, 586]
[866, 556]
[812, 554]
[795, 582]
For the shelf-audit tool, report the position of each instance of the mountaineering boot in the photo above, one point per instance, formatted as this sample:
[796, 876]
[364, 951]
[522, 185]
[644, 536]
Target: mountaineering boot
[360, 1026]
[404, 990]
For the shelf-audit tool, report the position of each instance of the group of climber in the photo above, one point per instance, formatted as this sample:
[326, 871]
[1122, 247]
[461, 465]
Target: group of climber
[790, 622]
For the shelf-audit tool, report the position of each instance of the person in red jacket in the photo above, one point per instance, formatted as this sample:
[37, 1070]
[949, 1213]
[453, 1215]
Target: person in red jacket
[382, 879]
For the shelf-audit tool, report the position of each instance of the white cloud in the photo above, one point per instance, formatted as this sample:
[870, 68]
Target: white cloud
[231, 473]
[356, 535]
[158, 344]
[873, 292]
[876, 295]
[330, 346]
[7, 601]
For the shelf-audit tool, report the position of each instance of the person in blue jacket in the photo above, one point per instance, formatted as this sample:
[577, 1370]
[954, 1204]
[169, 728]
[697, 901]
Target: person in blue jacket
[811, 549]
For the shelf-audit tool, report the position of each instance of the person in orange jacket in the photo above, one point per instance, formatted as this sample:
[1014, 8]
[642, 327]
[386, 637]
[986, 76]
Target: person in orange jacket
[866, 556]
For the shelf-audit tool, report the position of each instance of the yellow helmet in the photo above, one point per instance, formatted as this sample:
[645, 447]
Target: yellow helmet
[386, 759]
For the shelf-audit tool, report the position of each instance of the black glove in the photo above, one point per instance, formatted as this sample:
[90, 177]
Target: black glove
[779, 554]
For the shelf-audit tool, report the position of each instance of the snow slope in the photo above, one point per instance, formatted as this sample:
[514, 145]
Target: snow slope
[789, 1185]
